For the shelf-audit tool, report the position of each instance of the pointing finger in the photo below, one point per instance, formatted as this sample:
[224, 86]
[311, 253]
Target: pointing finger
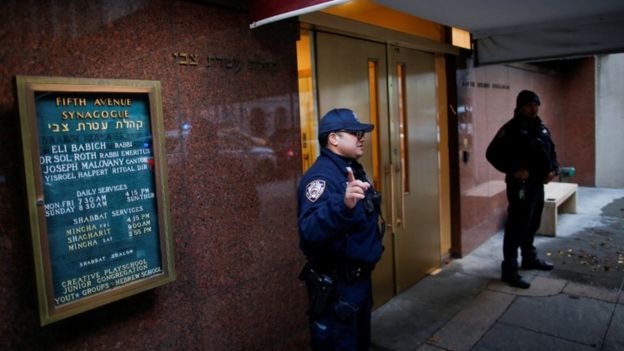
[360, 184]
[350, 176]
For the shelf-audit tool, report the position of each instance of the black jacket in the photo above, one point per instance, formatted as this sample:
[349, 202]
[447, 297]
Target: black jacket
[523, 143]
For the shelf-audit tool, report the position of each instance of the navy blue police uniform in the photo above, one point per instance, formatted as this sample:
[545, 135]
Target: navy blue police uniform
[342, 246]
[523, 143]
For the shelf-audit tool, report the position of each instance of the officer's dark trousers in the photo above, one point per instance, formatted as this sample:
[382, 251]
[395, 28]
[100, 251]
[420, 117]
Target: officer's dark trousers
[346, 323]
[523, 221]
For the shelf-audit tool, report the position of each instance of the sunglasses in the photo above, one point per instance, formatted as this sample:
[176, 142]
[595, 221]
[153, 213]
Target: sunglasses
[359, 134]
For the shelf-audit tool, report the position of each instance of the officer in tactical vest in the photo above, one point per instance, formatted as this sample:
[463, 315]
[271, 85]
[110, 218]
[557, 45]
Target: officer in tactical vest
[524, 151]
[341, 232]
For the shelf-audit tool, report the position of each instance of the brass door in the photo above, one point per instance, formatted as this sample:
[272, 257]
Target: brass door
[361, 75]
[414, 164]
[351, 73]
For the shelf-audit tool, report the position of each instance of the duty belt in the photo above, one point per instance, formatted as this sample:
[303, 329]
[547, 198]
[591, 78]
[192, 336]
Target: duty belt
[343, 270]
[351, 272]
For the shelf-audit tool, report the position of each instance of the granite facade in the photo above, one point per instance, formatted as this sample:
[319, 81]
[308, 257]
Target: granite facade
[232, 142]
[486, 100]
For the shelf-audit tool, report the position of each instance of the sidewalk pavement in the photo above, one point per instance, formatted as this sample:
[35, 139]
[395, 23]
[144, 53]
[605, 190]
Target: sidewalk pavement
[577, 306]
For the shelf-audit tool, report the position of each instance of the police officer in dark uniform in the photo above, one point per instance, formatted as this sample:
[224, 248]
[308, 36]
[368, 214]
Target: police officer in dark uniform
[524, 151]
[340, 231]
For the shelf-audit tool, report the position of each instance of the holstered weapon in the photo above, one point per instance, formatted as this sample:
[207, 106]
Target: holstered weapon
[320, 289]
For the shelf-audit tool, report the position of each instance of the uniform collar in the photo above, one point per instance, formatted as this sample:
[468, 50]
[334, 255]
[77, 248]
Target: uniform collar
[528, 121]
[341, 162]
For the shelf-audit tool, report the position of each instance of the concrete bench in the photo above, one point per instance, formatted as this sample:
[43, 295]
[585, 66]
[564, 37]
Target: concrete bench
[558, 197]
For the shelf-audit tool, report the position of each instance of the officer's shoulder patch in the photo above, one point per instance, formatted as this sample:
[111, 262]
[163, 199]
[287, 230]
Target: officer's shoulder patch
[315, 189]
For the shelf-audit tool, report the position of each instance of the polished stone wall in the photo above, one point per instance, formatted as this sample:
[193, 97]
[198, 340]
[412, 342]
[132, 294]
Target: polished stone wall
[580, 119]
[486, 100]
[232, 142]
[610, 121]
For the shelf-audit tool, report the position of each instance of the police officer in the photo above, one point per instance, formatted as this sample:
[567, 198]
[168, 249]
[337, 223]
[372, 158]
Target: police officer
[340, 234]
[525, 152]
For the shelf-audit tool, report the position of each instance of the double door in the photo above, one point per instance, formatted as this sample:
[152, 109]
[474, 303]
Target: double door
[395, 89]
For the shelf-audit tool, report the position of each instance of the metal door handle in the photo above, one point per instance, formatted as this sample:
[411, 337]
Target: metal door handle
[401, 198]
[396, 213]
[393, 217]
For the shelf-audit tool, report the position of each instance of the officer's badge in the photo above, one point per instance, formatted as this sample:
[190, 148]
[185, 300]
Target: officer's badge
[315, 189]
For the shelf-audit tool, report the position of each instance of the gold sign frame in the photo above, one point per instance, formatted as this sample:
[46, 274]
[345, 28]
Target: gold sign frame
[27, 87]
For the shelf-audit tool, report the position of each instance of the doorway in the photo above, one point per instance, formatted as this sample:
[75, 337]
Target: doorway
[393, 88]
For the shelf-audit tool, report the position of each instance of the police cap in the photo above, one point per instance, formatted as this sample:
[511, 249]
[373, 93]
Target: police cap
[342, 119]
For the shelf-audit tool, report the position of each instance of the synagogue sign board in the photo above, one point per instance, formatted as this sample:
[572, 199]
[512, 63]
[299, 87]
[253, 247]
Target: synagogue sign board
[97, 194]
